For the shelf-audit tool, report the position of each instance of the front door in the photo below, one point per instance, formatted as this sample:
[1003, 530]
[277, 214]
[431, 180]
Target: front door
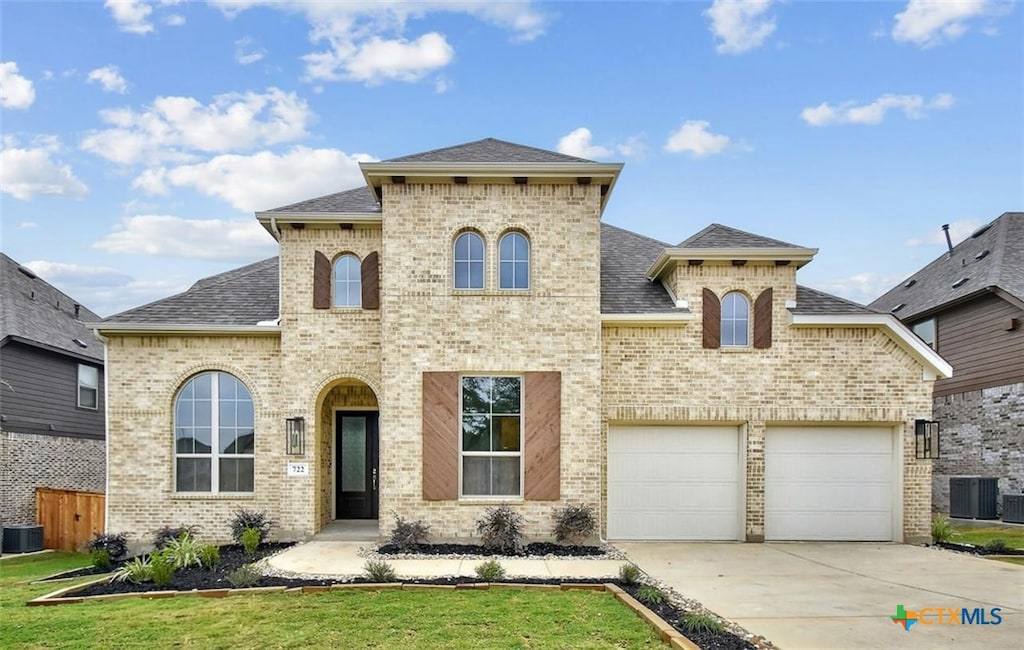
[356, 444]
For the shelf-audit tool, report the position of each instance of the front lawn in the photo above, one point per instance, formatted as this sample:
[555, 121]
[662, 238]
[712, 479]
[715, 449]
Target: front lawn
[493, 618]
[979, 536]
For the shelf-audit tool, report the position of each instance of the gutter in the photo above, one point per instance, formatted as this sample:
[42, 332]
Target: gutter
[189, 329]
[662, 319]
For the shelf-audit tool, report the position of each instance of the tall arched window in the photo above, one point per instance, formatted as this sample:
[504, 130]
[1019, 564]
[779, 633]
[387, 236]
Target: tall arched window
[735, 319]
[469, 261]
[514, 261]
[214, 435]
[348, 290]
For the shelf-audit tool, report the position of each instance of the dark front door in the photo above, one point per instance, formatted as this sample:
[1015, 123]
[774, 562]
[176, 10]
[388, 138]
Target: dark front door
[356, 472]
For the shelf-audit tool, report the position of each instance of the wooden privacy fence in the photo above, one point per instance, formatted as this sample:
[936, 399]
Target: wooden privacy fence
[69, 518]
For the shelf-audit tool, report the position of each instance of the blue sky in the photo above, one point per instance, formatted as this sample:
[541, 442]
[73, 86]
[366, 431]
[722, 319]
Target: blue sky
[140, 137]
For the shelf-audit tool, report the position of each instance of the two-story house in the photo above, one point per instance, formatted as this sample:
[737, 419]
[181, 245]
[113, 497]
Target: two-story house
[968, 304]
[464, 331]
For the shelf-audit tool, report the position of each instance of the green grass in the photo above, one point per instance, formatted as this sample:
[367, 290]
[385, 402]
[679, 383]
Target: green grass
[1014, 537]
[495, 618]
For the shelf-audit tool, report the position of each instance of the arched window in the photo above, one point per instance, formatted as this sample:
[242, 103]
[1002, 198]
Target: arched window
[735, 317]
[348, 291]
[214, 435]
[469, 261]
[514, 261]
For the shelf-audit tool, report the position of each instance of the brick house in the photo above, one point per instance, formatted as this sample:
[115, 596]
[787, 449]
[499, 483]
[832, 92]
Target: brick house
[968, 304]
[464, 331]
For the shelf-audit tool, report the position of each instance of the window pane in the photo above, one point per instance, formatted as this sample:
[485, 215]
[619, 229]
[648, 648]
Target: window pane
[505, 476]
[184, 443]
[353, 454]
[183, 413]
[476, 394]
[522, 248]
[506, 395]
[507, 279]
[476, 476]
[227, 441]
[226, 413]
[245, 412]
[475, 429]
[476, 275]
[202, 386]
[87, 397]
[476, 246]
[246, 441]
[236, 475]
[88, 376]
[203, 412]
[505, 433]
[203, 440]
[507, 247]
[522, 277]
[193, 475]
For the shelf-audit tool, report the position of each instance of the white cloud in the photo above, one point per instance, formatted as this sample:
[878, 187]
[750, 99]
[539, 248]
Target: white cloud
[443, 84]
[28, 225]
[204, 239]
[174, 20]
[132, 16]
[378, 60]
[173, 128]
[860, 287]
[932, 22]
[578, 143]
[246, 51]
[958, 231]
[110, 78]
[30, 172]
[693, 137]
[263, 180]
[740, 25]
[913, 106]
[78, 275]
[15, 91]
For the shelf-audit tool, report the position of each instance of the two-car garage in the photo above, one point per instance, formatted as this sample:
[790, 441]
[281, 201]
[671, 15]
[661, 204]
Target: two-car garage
[688, 483]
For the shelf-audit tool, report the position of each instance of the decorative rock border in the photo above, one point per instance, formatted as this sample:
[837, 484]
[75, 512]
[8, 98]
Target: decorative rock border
[668, 634]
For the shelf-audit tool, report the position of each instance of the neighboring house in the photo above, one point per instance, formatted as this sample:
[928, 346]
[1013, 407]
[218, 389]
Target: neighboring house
[969, 306]
[51, 394]
[463, 331]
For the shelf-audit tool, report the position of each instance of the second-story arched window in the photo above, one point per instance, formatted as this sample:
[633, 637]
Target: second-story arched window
[469, 261]
[347, 282]
[514, 261]
[735, 319]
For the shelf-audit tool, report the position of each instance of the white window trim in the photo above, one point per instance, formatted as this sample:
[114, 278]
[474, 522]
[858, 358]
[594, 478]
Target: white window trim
[95, 388]
[748, 320]
[521, 454]
[528, 261]
[482, 261]
[334, 282]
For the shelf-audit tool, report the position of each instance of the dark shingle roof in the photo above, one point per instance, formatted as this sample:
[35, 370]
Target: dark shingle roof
[1001, 267]
[359, 200]
[625, 289]
[35, 311]
[243, 296]
[812, 301]
[718, 236]
[489, 150]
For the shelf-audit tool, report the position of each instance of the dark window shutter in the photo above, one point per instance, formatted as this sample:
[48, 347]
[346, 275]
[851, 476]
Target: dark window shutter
[543, 435]
[763, 320]
[440, 436]
[321, 281]
[370, 281]
[712, 320]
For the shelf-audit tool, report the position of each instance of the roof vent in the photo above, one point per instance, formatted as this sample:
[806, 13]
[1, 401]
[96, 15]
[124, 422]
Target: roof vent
[981, 231]
[80, 343]
[959, 283]
[899, 307]
[982, 255]
[28, 272]
[910, 283]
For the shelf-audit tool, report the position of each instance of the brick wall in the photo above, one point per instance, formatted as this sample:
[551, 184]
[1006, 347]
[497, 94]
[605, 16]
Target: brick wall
[982, 435]
[28, 461]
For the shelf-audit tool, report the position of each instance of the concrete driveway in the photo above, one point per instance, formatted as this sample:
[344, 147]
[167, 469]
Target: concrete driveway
[842, 595]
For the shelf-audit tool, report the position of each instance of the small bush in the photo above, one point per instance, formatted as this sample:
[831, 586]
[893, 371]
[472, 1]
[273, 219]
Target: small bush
[651, 596]
[996, 546]
[700, 624]
[575, 524]
[183, 551]
[629, 574]
[209, 556]
[162, 568]
[501, 529]
[250, 541]
[256, 520]
[115, 545]
[244, 576]
[491, 571]
[163, 536]
[942, 529]
[100, 559]
[137, 570]
[407, 534]
[380, 571]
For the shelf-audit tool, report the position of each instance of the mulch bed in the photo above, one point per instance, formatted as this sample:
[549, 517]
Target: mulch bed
[977, 550]
[534, 549]
[670, 613]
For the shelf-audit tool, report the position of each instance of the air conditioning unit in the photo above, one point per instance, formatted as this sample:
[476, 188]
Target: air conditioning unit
[1013, 508]
[973, 497]
[23, 539]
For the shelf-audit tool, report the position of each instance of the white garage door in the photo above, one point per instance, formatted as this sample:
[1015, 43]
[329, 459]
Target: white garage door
[829, 483]
[673, 483]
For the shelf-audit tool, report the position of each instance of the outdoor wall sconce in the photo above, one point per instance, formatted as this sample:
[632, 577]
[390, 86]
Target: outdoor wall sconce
[295, 436]
[926, 439]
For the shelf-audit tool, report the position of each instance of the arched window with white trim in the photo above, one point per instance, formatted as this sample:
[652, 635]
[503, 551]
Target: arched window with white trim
[348, 290]
[735, 320]
[469, 261]
[514, 261]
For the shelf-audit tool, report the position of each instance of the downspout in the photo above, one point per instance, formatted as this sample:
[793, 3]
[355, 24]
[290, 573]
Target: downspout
[106, 428]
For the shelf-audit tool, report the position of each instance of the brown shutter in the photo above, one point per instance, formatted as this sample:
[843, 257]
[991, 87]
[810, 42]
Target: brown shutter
[321, 281]
[712, 320]
[370, 281]
[440, 436]
[543, 435]
[763, 320]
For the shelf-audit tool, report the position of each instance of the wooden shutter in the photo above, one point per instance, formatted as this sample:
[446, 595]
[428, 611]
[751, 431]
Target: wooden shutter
[763, 320]
[321, 281]
[440, 436]
[370, 281]
[542, 436]
[712, 320]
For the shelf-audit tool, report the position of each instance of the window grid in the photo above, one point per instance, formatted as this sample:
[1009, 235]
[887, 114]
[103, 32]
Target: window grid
[348, 291]
[514, 261]
[735, 320]
[469, 261]
[476, 421]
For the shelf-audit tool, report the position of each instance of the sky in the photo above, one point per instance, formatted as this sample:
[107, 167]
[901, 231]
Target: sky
[138, 138]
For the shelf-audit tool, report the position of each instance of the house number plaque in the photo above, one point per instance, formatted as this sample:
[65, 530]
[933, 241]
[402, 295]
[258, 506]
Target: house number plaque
[298, 469]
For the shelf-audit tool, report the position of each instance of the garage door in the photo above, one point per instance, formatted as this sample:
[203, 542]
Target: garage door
[829, 483]
[673, 483]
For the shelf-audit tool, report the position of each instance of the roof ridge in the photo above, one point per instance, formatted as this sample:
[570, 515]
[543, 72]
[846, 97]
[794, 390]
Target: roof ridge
[995, 272]
[418, 156]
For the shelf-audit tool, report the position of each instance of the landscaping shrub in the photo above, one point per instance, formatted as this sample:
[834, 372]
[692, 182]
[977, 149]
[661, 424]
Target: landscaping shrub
[115, 545]
[996, 546]
[491, 571]
[244, 519]
[501, 528]
[629, 574]
[183, 551]
[700, 624]
[651, 596]
[163, 536]
[100, 559]
[407, 534]
[574, 524]
[380, 571]
[244, 576]
[162, 568]
[942, 529]
[209, 556]
[137, 570]
[250, 541]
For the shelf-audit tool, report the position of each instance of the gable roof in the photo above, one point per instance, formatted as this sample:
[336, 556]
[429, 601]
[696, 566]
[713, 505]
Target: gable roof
[812, 301]
[718, 236]
[34, 311]
[625, 288]
[489, 150]
[359, 200]
[992, 258]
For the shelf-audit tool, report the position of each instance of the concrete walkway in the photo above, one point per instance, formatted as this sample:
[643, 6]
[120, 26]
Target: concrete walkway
[333, 558]
[832, 595]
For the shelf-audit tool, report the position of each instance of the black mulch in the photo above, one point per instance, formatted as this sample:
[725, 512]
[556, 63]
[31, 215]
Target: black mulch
[532, 549]
[671, 613]
[978, 550]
